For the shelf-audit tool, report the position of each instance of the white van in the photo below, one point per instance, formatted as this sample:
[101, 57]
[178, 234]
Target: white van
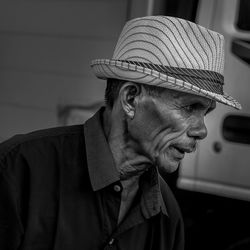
[213, 184]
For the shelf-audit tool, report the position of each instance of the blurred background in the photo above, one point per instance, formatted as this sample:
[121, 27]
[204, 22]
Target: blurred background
[46, 47]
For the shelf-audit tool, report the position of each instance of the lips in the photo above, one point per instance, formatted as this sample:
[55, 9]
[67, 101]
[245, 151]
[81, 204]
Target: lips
[184, 150]
[179, 150]
[178, 153]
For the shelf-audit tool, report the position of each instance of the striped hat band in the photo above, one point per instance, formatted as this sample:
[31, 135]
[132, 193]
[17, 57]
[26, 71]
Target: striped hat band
[205, 79]
[171, 53]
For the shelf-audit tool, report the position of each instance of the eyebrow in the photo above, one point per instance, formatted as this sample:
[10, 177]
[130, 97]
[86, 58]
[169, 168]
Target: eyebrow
[209, 102]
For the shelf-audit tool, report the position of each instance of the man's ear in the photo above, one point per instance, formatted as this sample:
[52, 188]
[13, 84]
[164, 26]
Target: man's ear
[129, 96]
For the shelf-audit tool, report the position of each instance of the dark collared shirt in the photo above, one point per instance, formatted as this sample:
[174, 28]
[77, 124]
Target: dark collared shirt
[60, 189]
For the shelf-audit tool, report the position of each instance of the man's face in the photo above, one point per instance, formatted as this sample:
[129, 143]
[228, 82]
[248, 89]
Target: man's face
[168, 126]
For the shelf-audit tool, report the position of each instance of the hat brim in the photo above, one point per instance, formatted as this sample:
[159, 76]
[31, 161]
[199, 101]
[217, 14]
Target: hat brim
[106, 68]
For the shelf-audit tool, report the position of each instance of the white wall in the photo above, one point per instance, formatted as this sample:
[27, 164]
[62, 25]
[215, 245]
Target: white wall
[45, 51]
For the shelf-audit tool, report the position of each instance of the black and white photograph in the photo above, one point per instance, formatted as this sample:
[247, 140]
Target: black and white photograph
[125, 125]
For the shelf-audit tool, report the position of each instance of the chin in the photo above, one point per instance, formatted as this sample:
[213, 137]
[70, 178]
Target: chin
[167, 165]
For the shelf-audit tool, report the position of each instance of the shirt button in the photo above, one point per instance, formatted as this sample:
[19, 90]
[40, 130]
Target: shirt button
[117, 188]
[111, 241]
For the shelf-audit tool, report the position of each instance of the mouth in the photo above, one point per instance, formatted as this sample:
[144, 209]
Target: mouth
[178, 152]
[183, 150]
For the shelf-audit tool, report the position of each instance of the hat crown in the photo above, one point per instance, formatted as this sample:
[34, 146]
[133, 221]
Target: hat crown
[172, 42]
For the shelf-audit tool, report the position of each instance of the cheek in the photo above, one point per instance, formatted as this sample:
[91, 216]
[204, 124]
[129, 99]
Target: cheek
[146, 122]
[171, 127]
[154, 119]
[174, 132]
[160, 118]
[156, 125]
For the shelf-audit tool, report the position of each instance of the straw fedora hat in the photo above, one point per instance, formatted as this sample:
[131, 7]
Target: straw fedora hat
[171, 53]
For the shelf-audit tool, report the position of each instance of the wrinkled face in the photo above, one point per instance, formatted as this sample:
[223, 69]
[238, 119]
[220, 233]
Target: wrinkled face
[168, 126]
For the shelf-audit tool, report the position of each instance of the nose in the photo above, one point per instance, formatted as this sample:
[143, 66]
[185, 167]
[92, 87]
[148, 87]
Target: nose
[198, 129]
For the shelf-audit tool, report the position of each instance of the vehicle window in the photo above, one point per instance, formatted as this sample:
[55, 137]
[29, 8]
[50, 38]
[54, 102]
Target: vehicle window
[243, 20]
[182, 8]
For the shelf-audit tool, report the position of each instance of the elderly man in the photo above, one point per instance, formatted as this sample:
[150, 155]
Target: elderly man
[97, 186]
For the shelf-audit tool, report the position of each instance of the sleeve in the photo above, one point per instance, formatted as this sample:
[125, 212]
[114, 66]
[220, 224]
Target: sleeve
[10, 224]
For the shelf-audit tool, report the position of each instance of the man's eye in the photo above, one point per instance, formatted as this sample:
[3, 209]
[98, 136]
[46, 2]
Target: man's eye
[189, 108]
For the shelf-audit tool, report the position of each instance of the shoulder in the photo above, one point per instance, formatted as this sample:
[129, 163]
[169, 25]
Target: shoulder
[41, 141]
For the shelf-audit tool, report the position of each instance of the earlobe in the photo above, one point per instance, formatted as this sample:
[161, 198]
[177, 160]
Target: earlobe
[128, 109]
[131, 114]
[128, 96]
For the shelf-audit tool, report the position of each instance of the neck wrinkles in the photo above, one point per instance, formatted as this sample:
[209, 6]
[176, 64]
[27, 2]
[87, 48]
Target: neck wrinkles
[129, 161]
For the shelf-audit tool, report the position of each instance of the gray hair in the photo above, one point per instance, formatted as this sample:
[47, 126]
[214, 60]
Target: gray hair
[114, 85]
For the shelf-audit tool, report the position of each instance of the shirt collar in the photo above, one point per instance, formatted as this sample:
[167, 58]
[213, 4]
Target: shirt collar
[101, 165]
[103, 172]
[152, 201]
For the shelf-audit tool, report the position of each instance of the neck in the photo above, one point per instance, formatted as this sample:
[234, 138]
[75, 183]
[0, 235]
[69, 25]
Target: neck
[128, 160]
